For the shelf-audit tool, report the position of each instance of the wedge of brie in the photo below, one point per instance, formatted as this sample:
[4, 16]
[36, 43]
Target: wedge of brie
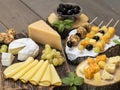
[24, 47]
[7, 59]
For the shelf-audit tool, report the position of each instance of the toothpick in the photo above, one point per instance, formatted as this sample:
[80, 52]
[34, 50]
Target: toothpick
[116, 23]
[93, 20]
[100, 23]
[109, 22]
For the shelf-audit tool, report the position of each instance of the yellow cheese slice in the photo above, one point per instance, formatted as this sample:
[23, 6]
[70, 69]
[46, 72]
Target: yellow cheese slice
[23, 71]
[39, 74]
[46, 79]
[19, 68]
[12, 67]
[27, 76]
[42, 33]
[55, 77]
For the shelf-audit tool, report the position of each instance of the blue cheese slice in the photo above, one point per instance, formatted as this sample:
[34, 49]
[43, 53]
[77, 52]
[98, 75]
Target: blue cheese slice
[7, 59]
[24, 47]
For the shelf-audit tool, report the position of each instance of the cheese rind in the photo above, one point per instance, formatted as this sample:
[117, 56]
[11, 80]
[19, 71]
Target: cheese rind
[42, 33]
[7, 59]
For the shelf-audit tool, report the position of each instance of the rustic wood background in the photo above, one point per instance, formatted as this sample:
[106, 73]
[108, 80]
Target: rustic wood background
[19, 14]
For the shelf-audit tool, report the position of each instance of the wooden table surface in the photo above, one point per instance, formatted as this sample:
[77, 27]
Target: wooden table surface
[19, 14]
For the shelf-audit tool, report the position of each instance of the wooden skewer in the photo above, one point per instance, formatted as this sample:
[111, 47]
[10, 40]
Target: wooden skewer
[116, 23]
[109, 22]
[93, 20]
[100, 23]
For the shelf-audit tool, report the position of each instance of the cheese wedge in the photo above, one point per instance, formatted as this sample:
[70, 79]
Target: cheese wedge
[55, 77]
[22, 72]
[27, 76]
[106, 75]
[24, 47]
[39, 74]
[97, 77]
[7, 59]
[42, 33]
[19, 68]
[46, 79]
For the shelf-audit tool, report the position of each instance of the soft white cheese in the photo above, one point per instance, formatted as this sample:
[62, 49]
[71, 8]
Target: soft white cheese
[7, 59]
[73, 53]
[24, 47]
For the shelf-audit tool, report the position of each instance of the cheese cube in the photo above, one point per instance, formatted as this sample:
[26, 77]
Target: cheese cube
[97, 77]
[115, 60]
[106, 75]
[42, 33]
[110, 68]
[7, 59]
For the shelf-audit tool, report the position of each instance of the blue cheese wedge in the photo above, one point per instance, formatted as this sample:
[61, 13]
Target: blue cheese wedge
[24, 47]
[106, 76]
[7, 59]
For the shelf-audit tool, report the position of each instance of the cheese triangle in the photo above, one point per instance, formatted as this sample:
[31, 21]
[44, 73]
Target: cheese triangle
[39, 74]
[46, 79]
[55, 77]
[19, 68]
[42, 33]
[27, 76]
[23, 71]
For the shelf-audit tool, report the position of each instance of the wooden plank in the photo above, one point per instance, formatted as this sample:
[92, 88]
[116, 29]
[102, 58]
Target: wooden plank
[104, 9]
[15, 14]
[42, 7]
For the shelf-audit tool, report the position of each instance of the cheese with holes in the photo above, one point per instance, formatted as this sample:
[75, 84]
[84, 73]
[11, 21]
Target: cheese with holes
[7, 59]
[42, 33]
[24, 47]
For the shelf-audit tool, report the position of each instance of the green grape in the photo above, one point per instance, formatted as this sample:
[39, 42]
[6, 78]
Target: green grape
[3, 48]
[97, 49]
[51, 61]
[55, 62]
[80, 47]
[43, 57]
[47, 46]
[47, 51]
[49, 56]
[43, 51]
[61, 60]
[58, 55]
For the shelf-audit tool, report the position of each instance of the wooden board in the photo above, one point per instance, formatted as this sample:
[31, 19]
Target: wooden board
[8, 83]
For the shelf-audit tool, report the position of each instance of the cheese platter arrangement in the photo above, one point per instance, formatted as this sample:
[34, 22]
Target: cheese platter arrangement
[39, 58]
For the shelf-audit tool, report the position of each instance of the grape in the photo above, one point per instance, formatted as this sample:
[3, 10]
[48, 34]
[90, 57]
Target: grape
[97, 49]
[55, 62]
[58, 54]
[49, 56]
[80, 47]
[61, 60]
[43, 57]
[47, 46]
[3, 48]
[51, 61]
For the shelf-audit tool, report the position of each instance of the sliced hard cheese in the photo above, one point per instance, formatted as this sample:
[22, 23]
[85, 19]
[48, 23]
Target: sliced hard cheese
[42, 33]
[46, 79]
[19, 68]
[22, 72]
[55, 77]
[106, 75]
[97, 77]
[12, 67]
[39, 74]
[24, 47]
[7, 59]
[27, 76]
[110, 68]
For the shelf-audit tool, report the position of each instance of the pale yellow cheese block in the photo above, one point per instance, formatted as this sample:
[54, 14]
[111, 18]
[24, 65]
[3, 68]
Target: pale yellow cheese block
[46, 79]
[23, 71]
[12, 67]
[27, 76]
[42, 33]
[55, 77]
[39, 74]
[19, 68]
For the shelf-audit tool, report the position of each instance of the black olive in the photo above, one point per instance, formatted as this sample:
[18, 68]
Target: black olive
[89, 47]
[69, 12]
[69, 44]
[96, 38]
[101, 31]
[61, 6]
[78, 34]
[68, 6]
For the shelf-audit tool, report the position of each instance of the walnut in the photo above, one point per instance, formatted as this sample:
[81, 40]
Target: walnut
[8, 39]
[87, 26]
[1, 38]
[82, 31]
[74, 39]
[11, 32]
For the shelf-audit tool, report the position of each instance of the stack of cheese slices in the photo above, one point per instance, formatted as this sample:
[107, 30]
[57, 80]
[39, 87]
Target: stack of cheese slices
[34, 71]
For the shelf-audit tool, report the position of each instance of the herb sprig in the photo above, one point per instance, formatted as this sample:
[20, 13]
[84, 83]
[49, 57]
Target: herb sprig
[116, 41]
[72, 80]
[63, 24]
